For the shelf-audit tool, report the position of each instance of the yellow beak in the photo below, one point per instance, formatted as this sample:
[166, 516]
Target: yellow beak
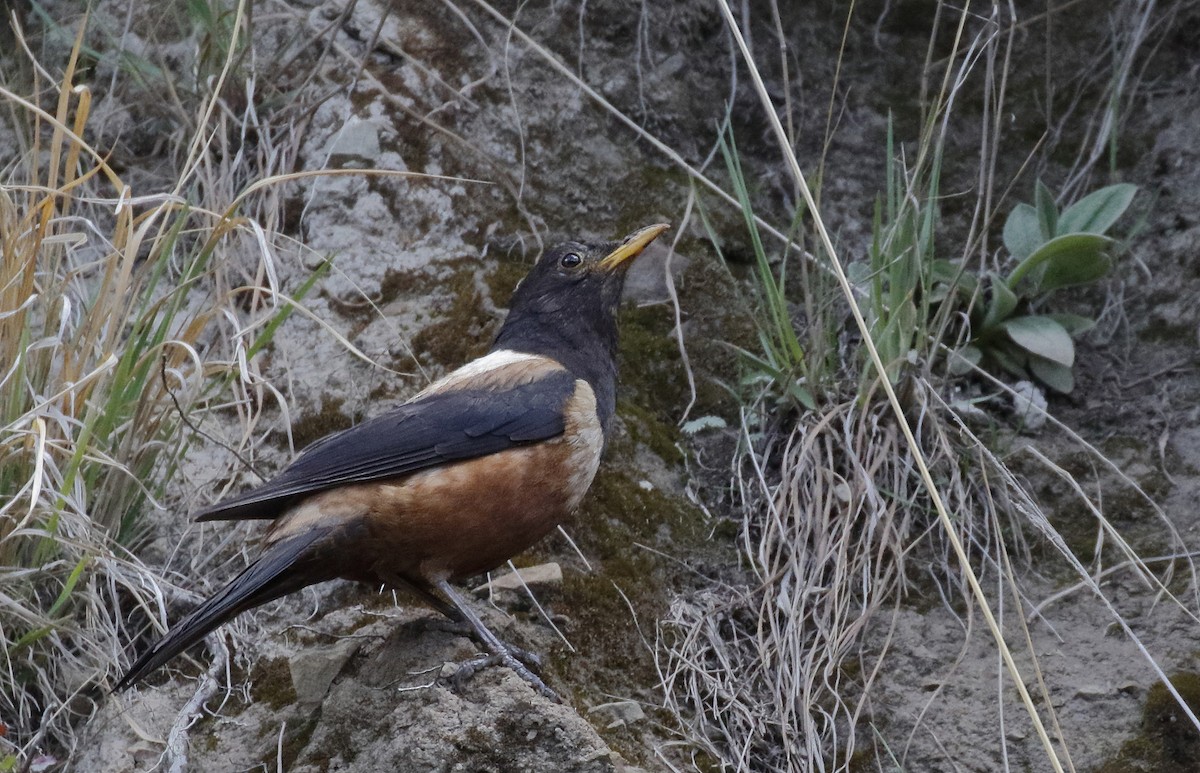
[632, 246]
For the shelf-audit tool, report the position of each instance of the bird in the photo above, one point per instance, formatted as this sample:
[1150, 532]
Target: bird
[453, 482]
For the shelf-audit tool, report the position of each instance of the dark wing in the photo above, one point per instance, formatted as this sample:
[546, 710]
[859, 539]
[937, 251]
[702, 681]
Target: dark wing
[437, 428]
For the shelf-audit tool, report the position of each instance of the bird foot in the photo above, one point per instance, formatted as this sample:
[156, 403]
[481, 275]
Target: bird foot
[499, 653]
[462, 628]
[515, 659]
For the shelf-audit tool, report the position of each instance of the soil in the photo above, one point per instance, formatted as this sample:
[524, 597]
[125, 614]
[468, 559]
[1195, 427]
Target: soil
[341, 678]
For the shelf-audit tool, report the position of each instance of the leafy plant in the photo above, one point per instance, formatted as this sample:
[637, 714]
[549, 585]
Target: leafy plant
[902, 247]
[780, 364]
[1052, 250]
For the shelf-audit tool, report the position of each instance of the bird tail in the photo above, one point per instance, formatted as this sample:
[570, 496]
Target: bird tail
[284, 567]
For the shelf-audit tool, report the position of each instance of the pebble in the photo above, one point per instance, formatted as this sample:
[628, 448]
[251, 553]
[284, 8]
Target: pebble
[537, 577]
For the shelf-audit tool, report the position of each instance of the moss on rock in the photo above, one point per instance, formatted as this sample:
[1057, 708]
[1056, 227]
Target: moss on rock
[271, 683]
[462, 331]
[1168, 742]
[311, 427]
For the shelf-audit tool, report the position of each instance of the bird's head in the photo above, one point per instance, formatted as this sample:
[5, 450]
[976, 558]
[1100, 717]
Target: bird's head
[572, 294]
[574, 281]
[566, 306]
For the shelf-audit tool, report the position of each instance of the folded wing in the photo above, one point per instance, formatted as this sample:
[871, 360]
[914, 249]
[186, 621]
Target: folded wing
[434, 429]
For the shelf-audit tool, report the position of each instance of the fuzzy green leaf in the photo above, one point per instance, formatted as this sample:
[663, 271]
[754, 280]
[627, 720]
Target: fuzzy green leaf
[1096, 212]
[1054, 375]
[1069, 248]
[1073, 268]
[941, 270]
[1047, 212]
[1041, 336]
[859, 273]
[800, 394]
[1011, 358]
[1021, 233]
[701, 424]
[964, 359]
[939, 293]
[1002, 304]
[946, 276]
[1074, 324]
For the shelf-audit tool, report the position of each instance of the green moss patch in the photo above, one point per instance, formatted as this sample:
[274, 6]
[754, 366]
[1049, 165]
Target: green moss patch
[630, 532]
[311, 427]
[1168, 742]
[462, 331]
[271, 683]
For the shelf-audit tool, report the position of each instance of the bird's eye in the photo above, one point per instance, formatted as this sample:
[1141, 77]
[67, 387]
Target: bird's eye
[570, 260]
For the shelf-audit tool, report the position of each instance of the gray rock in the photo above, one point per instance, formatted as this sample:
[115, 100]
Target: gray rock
[357, 141]
[1093, 691]
[619, 713]
[646, 282]
[313, 670]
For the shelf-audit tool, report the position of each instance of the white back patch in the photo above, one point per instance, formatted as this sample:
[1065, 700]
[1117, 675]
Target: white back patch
[501, 358]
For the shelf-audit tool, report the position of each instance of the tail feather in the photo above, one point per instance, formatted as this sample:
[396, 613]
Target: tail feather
[283, 568]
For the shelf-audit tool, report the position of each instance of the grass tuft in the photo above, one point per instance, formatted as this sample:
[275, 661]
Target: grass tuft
[108, 295]
[835, 502]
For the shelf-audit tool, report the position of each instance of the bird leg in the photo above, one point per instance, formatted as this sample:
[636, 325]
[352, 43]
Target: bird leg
[500, 652]
[456, 625]
[423, 592]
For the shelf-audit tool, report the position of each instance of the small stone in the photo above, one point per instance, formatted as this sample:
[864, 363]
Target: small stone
[357, 141]
[968, 410]
[672, 66]
[43, 762]
[1092, 691]
[538, 577]
[619, 713]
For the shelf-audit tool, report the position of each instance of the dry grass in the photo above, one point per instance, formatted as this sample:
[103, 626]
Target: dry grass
[110, 296]
[823, 532]
[774, 675]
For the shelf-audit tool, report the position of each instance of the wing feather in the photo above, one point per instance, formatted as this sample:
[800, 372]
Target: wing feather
[433, 429]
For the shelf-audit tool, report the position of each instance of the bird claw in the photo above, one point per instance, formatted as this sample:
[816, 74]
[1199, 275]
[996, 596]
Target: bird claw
[515, 659]
[530, 659]
[500, 653]
[464, 629]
